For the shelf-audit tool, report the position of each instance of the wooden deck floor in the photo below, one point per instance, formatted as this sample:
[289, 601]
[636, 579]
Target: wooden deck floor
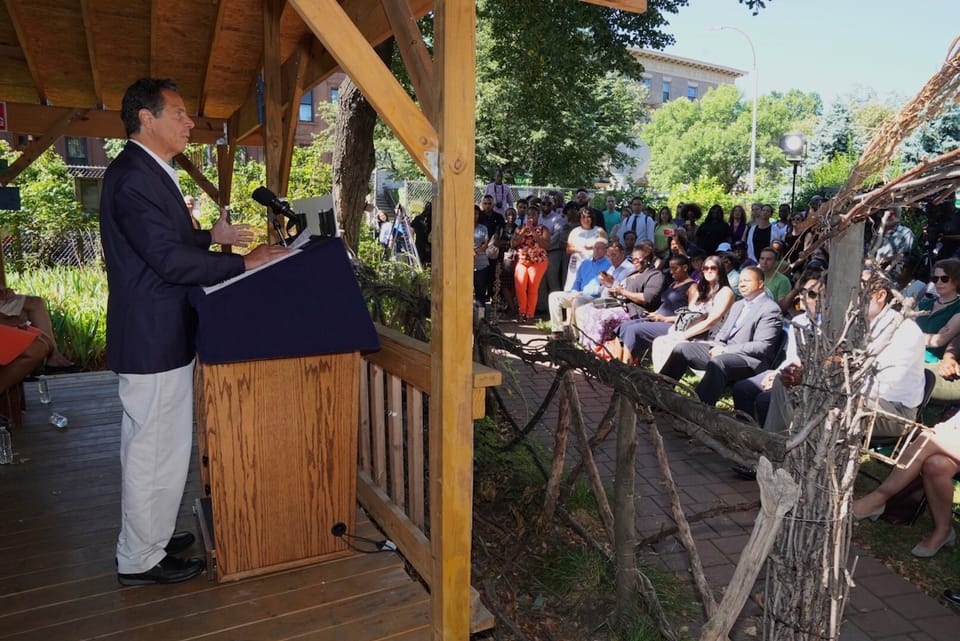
[59, 517]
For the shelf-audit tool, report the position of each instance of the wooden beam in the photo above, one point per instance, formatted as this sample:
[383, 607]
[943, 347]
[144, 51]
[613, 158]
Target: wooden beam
[451, 446]
[215, 34]
[414, 52]
[636, 6]
[194, 172]
[225, 157]
[347, 44]
[272, 99]
[155, 44]
[39, 145]
[25, 43]
[370, 19]
[292, 90]
[36, 119]
[91, 50]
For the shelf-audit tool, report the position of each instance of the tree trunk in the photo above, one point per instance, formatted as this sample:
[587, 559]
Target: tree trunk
[353, 153]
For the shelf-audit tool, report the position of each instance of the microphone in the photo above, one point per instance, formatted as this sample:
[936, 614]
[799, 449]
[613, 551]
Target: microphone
[269, 199]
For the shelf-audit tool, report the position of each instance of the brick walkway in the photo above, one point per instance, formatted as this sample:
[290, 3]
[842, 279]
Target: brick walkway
[883, 606]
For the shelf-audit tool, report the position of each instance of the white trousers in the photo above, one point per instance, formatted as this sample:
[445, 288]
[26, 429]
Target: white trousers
[156, 436]
[558, 301]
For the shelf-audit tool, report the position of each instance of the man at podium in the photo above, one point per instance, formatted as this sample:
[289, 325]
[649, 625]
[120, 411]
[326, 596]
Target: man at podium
[154, 256]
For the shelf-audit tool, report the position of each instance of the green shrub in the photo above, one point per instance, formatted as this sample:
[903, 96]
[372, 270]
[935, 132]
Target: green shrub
[77, 300]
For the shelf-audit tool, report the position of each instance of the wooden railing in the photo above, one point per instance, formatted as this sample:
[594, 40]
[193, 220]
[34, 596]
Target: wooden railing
[393, 450]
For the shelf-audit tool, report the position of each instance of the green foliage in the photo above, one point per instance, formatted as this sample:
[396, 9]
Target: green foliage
[77, 301]
[504, 473]
[698, 140]
[552, 75]
[49, 207]
[704, 191]
[397, 293]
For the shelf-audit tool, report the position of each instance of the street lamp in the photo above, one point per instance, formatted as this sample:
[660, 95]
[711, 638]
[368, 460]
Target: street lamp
[794, 147]
[756, 94]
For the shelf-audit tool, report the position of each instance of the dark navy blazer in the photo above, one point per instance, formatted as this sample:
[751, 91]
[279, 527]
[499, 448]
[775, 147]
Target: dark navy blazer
[154, 257]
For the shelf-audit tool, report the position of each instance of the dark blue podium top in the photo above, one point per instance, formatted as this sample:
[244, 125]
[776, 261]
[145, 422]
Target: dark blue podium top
[306, 305]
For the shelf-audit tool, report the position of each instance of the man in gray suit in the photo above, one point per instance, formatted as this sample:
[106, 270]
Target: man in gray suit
[746, 344]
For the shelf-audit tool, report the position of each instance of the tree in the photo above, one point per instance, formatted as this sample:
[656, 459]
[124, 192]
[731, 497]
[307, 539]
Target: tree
[693, 141]
[557, 89]
[353, 153]
[48, 207]
[938, 137]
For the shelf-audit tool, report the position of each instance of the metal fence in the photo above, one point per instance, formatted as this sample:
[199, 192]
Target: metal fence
[76, 248]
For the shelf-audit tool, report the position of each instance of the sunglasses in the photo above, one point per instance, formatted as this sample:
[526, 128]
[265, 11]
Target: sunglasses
[942, 279]
[810, 293]
[709, 268]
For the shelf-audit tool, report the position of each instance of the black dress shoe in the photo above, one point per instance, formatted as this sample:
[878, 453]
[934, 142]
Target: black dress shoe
[952, 596]
[179, 542]
[170, 570]
[745, 472]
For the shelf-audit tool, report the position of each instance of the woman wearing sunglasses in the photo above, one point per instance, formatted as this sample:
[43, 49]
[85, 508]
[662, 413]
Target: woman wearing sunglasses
[943, 322]
[712, 298]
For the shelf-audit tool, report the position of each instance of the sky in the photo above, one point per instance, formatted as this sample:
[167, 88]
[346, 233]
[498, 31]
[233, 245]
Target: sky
[832, 47]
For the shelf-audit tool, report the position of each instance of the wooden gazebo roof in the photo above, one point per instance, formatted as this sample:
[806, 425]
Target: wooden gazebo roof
[57, 56]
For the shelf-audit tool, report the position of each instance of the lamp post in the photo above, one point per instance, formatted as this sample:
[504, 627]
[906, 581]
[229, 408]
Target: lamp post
[795, 148]
[756, 94]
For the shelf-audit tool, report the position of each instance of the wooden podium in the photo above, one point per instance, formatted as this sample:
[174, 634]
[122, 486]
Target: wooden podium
[278, 435]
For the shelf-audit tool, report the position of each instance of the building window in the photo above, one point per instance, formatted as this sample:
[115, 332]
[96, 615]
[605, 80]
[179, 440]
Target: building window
[692, 93]
[666, 91]
[646, 84]
[76, 150]
[88, 193]
[335, 94]
[306, 107]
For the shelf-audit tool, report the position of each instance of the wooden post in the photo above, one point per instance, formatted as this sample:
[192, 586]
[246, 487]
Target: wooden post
[451, 428]
[273, 100]
[846, 266]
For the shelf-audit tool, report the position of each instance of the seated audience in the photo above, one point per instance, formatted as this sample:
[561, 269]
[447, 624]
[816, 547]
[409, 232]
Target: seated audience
[943, 322]
[896, 388]
[946, 389]
[740, 249]
[620, 269]
[674, 297]
[746, 343]
[22, 350]
[585, 287]
[731, 265]
[777, 285]
[936, 455]
[639, 293]
[711, 299]
[17, 309]
[752, 395]
[904, 274]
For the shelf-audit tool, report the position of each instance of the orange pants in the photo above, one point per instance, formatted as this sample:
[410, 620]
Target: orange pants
[527, 279]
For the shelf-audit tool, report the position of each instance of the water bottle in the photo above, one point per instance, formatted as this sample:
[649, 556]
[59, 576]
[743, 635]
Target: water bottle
[6, 446]
[43, 389]
[58, 420]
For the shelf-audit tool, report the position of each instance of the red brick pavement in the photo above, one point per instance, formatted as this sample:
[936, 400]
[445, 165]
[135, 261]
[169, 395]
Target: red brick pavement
[883, 606]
